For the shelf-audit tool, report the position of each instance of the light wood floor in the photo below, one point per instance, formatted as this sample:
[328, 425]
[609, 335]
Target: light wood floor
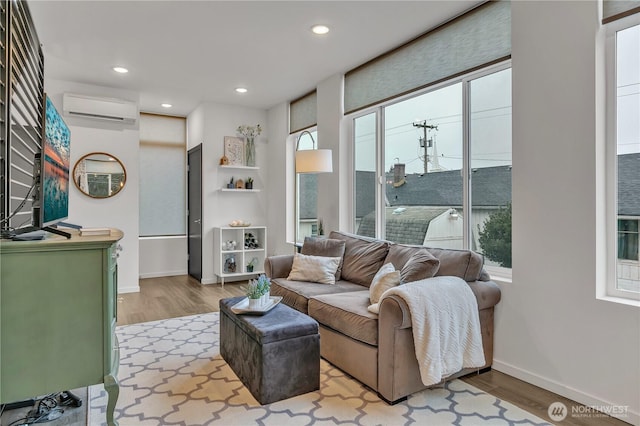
[171, 297]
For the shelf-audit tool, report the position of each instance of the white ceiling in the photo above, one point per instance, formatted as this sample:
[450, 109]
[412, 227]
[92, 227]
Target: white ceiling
[188, 52]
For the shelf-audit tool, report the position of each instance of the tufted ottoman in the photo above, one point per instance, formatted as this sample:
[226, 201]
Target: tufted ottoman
[275, 355]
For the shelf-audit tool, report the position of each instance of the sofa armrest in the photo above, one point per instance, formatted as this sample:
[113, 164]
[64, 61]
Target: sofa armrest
[394, 312]
[398, 371]
[487, 293]
[278, 266]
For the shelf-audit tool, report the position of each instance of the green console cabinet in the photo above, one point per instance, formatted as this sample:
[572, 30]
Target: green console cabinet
[58, 316]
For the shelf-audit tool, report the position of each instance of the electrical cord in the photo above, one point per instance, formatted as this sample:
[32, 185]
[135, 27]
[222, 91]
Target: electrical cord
[22, 203]
[45, 410]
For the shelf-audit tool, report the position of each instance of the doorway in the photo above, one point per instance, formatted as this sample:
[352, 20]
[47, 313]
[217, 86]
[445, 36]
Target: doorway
[194, 212]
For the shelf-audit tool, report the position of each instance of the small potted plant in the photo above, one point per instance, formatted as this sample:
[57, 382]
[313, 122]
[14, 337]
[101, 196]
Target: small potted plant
[249, 183]
[254, 294]
[231, 185]
[320, 228]
[264, 284]
[252, 264]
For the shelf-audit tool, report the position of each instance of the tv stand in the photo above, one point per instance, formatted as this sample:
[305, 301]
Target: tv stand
[47, 287]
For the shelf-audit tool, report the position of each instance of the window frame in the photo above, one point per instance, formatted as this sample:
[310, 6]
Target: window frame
[498, 273]
[611, 153]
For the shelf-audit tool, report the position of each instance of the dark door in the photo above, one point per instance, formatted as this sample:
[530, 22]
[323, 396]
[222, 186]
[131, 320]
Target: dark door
[194, 212]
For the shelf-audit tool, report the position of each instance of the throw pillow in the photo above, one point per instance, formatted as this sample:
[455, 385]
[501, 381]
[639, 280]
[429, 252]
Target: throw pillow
[315, 269]
[327, 247]
[363, 257]
[420, 265]
[384, 279]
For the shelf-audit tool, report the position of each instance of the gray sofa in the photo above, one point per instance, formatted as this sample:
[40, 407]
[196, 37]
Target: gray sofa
[378, 350]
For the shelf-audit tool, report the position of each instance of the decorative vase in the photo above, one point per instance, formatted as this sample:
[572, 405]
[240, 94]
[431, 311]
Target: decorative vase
[255, 303]
[265, 298]
[249, 268]
[250, 153]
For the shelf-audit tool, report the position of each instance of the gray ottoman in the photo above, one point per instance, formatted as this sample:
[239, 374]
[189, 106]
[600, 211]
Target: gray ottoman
[275, 355]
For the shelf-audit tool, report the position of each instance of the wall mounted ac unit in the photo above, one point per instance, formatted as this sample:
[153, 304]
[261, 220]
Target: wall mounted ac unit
[100, 108]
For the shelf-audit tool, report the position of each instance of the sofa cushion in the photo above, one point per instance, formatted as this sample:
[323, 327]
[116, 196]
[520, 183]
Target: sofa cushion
[324, 247]
[346, 313]
[363, 257]
[465, 264]
[297, 293]
[420, 265]
[315, 269]
[399, 254]
[386, 278]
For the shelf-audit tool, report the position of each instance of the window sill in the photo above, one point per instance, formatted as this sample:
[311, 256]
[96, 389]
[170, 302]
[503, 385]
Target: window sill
[620, 300]
[499, 275]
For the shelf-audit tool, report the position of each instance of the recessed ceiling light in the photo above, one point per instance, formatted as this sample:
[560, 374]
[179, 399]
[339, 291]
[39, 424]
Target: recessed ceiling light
[121, 70]
[241, 90]
[166, 105]
[320, 29]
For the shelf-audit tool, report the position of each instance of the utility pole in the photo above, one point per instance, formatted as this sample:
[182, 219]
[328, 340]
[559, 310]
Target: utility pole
[424, 142]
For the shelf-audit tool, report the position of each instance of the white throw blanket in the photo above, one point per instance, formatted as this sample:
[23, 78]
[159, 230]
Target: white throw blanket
[446, 326]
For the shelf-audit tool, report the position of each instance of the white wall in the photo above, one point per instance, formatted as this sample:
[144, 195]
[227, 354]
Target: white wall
[121, 141]
[209, 124]
[163, 256]
[280, 186]
[550, 329]
[333, 188]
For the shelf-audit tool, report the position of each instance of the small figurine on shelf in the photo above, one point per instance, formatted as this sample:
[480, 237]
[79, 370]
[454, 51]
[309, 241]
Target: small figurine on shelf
[224, 160]
[239, 184]
[249, 183]
[231, 185]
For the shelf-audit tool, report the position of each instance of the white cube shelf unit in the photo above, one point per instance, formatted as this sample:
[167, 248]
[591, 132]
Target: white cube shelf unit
[233, 260]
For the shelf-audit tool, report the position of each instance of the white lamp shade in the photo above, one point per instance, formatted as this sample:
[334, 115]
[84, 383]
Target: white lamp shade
[314, 161]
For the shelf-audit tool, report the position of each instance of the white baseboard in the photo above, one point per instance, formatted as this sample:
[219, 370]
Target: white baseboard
[132, 289]
[163, 274]
[577, 395]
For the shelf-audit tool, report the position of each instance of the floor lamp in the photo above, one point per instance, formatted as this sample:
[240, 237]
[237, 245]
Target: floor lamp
[313, 160]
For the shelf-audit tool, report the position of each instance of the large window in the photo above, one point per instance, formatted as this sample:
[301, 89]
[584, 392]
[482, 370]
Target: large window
[306, 194]
[624, 146]
[443, 161]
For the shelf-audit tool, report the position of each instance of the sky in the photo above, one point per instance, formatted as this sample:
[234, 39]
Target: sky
[490, 99]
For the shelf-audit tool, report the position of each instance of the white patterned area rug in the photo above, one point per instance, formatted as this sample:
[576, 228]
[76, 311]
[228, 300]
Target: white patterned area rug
[171, 373]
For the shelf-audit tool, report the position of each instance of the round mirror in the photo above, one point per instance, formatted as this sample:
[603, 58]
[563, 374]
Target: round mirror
[99, 175]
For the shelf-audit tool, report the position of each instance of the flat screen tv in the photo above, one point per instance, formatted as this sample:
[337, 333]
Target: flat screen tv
[54, 175]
